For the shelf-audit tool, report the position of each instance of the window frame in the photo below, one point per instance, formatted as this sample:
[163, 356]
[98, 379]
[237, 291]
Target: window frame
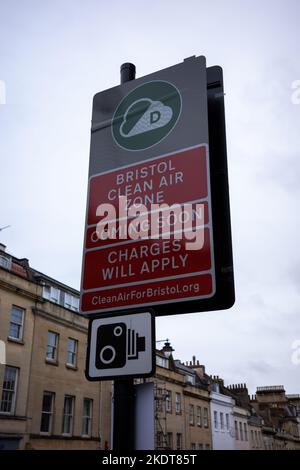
[51, 359]
[51, 413]
[178, 441]
[216, 426]
[169, 401]
[191, 415]
[87, 417]
[199, 416]
[70, 415]
[227, 420]
[21, 326]
[178, 403]
[205, 418]
[75, 353]
[13, 391]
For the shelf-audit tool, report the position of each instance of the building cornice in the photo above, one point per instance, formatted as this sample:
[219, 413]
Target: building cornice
[57, 319]
[21, 291]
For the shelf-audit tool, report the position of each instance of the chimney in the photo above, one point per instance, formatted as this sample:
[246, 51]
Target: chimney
[24, 262]
[2, 247]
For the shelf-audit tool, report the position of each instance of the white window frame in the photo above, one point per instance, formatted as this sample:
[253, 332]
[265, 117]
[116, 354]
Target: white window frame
[222, 423]
[50, 413]
[5, 262]
[205, 418]
[227, 422]
[216, 426]
[241, 431]
[178, 403]
[74, 353]
[54, 298]
[51, 359]
[236, 429]
[68, 415]
[21, 325]
[191, 414]
[199, 416]
[169, 401]
[89, 418]
[245, 432]
[12, 391]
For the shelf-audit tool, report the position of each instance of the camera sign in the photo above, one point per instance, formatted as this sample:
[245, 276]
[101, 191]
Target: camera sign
[121, 346]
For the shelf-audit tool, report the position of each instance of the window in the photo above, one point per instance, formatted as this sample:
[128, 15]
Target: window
[51, 293]
[51, 353]
[252, 437]
[71, 302]
[47, 412]
[205, 417]
[222, 421]
[191, 415]
[169, 401]
[200, 446]
[160, 439]
[87, 417]
[236, 430]
[245, 432]
[5, 262]
[72, 352]
[215, 420]
[178, 403]
[170, 440]
[9, 390]
[241, 431]
[178, 441]
[16, 323]
[46, 292]
[207, 447]
[162, 362]
[227, 422]
[54, 295]
[199, 423]
[193, 446]
[68, 415]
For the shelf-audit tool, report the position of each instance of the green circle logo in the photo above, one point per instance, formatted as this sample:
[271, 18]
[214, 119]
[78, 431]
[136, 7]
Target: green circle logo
[146, 115]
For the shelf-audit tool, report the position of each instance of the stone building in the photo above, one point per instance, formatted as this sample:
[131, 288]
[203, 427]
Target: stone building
[45, 400]
[182, 406]
[280, 415]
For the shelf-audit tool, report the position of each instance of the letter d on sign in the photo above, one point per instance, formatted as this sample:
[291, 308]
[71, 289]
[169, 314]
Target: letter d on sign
[154, 117]
[2, 353]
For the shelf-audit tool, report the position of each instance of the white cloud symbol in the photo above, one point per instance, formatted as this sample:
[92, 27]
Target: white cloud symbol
[157, 115]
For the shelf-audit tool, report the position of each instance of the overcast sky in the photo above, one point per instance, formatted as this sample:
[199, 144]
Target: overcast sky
[55, 55]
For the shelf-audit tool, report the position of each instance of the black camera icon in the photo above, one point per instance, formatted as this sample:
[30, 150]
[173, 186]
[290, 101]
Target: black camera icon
[116, 344]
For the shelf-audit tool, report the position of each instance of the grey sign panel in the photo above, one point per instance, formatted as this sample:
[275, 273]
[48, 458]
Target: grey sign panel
[189, 78]
[121, 346]
[159, 139]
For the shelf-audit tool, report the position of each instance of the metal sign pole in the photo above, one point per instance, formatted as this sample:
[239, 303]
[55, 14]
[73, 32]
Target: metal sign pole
[124, 392]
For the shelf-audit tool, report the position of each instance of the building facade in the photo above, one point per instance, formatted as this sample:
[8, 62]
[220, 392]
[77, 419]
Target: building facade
[45, 400]
[182, 407]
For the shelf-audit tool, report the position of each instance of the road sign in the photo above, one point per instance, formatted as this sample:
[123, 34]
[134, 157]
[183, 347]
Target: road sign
[121, 346]
[159, 140]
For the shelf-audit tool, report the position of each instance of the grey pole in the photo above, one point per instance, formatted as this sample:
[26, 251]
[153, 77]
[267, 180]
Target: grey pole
[124, 390]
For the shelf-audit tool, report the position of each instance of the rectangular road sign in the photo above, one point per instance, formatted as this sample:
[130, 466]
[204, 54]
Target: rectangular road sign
[121, 346]
[158, 140]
